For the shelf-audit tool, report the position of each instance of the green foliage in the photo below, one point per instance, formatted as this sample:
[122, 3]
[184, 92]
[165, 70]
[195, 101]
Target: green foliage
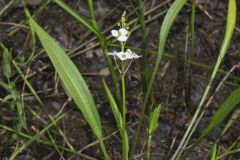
[224, 110]
[21, 148]
[164, 31]
[231, 20]
[14, 96]
[153, 124]
[117, 115]
[93, 27]
[116, 112]
[153, 120]
[80, 18]
[214, 152]
[78, 89]
[72, 79]
[6, 62]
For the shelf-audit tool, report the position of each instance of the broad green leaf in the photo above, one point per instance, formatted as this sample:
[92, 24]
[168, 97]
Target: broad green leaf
[225, 109]
[71, 78]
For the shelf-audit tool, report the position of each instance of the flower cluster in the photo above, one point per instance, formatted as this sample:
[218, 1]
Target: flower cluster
[122, 36]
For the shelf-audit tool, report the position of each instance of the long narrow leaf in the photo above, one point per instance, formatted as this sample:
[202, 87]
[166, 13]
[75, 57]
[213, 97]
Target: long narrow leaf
[231, 20]
[6, 62]
[116, 112]
[214, 152]
[225, 109]
[71, 78]
[164, 31]
[80, 18]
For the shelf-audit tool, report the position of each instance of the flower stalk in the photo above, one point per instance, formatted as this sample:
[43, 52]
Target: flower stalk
[124, 112]
[125, 54]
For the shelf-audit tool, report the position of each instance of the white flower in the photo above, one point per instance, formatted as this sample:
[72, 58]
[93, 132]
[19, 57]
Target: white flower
[121, 34]
[124, 56]
[114, 33]
[133, 55]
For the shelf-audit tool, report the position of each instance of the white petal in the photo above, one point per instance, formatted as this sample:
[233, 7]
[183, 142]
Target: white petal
[134, 55]
[129, 51]
[114, 33]
[128, 55]
[137, 56]
[114, 53]
[122, 56]
[123, 31]
[122, 38]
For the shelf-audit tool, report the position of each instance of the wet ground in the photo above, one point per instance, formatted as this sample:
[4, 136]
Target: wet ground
[179, 85]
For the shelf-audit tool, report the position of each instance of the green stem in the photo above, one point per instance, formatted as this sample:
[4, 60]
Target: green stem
[149, 146]
[104, 149]
[124, 111]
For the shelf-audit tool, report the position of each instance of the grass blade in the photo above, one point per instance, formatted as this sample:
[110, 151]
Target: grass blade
[6, 62]
[153, 124]
[116, 112]
[226, 108]
[167, 23]
[145, 70]
[153, 119]
[117, 115]
[231, 20]
[214, 152]
[80, 18]
[26, 144]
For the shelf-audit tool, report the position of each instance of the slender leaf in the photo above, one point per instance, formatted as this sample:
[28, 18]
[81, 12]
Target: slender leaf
[80, 18]
[214, 152]
[164, 31]
[153, 120]
[153, 124]
[6, 62]
[116, 112]
[225, 109]
[231, 20]
[35, 137]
